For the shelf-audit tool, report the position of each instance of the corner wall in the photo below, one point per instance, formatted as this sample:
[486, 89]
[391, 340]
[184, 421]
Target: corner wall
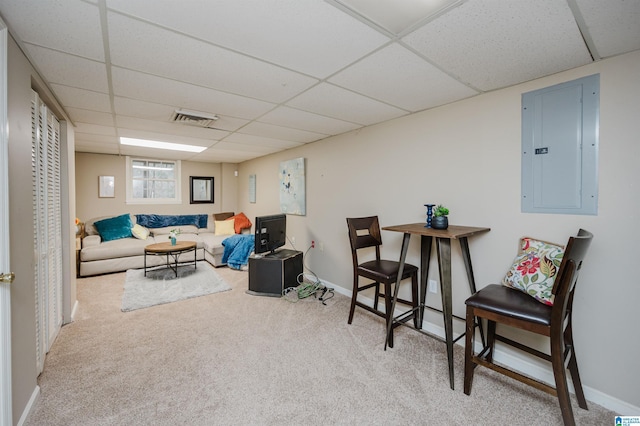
[466, 155]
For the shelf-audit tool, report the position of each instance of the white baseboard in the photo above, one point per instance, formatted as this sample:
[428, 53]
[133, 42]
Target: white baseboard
[520, 362]
[74, 311]
[29, 406]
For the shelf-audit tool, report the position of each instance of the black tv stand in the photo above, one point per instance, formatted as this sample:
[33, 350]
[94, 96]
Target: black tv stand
[271, 273]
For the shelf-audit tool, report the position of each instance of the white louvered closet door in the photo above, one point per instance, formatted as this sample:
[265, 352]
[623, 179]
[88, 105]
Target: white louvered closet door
[47, 226]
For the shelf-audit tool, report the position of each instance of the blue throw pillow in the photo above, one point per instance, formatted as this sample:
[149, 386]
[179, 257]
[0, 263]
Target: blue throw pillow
[114, 228]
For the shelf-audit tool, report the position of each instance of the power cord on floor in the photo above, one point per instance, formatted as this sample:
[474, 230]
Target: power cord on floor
[308, 285]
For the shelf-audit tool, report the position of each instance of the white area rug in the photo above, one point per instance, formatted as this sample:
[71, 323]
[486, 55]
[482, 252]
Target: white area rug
[161, 286]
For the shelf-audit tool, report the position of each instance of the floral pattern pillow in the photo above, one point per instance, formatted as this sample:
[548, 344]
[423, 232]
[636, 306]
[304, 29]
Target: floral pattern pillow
[535, 268]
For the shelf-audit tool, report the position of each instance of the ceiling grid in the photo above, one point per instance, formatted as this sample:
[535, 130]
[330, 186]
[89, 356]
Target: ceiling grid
[282, 73]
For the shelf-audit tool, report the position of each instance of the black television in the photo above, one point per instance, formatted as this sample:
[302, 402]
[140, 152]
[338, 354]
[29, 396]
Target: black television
[270, 232]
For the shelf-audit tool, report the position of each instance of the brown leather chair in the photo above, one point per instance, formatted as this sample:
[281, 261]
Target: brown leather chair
[503, 305]
[364, 232]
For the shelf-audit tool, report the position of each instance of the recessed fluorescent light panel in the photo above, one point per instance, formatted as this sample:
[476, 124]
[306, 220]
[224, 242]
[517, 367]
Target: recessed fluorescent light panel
[161, 145]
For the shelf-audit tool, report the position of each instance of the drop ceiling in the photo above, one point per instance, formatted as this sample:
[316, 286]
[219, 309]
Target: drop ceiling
[282, 73]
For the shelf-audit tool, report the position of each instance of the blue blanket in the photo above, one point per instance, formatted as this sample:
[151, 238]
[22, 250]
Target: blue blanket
[161, 221]
[237, 249]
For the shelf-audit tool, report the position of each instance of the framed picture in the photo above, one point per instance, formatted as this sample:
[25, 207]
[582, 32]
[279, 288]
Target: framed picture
[106, 186]
[201, 189]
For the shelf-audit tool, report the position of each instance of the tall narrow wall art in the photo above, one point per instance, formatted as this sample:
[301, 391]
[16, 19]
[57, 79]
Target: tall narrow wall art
[292, 187]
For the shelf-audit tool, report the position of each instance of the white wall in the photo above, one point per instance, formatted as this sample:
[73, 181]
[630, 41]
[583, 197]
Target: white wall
[466, 155]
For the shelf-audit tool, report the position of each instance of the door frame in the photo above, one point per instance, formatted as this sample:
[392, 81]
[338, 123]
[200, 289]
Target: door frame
[6, 416]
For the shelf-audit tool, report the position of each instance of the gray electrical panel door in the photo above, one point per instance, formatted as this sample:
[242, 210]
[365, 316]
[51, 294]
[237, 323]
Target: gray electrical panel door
[560, 148]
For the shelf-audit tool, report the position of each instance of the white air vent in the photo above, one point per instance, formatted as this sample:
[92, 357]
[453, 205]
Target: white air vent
[194, 118]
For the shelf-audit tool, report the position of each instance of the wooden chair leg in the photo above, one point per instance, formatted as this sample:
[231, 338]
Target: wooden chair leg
[414, 300]
[354, 296]
[376, 296]
[469, 365]
[577, 383]
[388, 315]
[560, 375]
[491, 339]
[573, 368]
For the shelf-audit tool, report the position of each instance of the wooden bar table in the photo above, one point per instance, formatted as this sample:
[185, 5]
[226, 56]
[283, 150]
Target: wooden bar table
[443, 246]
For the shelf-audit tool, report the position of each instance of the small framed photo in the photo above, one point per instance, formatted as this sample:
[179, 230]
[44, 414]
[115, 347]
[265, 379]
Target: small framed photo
[201, 189]
[106, 186]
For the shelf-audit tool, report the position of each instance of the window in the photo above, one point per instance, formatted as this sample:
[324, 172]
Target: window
[153, 181]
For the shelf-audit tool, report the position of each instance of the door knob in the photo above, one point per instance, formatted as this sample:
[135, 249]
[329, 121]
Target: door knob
[7, 278]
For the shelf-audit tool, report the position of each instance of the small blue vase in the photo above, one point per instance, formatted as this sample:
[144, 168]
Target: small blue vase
[429, 214]
[173, 241]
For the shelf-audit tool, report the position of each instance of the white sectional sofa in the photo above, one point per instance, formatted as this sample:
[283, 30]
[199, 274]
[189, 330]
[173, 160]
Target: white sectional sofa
[101, 257]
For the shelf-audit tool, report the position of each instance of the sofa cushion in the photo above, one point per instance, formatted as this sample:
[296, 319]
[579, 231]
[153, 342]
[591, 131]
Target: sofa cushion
[222, 216]
[213, 243]
[114, 228]
[140, 232]
[90, 229]
[123, 247]
[225, 227]
[184, 229]
[91, 240]
[241, 222]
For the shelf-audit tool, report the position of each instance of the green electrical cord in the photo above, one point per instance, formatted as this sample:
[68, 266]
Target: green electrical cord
[307, 288]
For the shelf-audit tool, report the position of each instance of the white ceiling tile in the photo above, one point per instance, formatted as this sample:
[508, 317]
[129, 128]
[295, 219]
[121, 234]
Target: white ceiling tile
[303, 35]
[95, 129]
[400, 77]
[97, 149]
[258, 141]
[295, 118]
[159, 112]
[142, 109]
[242, 147]
[327, 99]
[323, 68]
[397, 16]
[92, 138]
[72, 17]
[149, 88]
[72, 97]
[85, 142]
[70, 70]
[170, 128]
[614, 25]
[492, 44]
[148, 48]
[90, 117]
[279, 132]
[224, 156]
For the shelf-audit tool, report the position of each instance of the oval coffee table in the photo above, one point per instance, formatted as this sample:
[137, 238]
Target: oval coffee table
[172, 252]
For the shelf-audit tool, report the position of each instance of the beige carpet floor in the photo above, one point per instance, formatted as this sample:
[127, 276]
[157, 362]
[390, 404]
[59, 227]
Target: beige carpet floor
[235, 359]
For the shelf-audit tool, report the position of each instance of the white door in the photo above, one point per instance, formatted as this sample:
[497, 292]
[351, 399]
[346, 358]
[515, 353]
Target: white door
[5, 300]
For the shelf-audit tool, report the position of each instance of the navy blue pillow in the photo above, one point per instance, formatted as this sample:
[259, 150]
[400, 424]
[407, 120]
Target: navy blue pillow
[114, 228]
